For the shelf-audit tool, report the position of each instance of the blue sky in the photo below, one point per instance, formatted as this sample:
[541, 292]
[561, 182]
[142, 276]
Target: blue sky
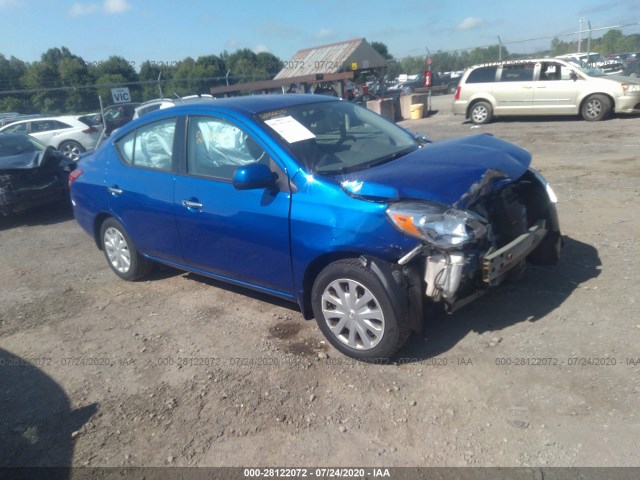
[168, 31]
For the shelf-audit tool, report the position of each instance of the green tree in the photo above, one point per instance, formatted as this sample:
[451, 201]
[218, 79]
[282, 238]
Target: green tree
[244, 67]
[269, 62]
[382, 49]
[119, 72]
[150, 72]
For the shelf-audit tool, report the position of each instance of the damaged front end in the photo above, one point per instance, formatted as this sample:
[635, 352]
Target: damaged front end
[481, 240]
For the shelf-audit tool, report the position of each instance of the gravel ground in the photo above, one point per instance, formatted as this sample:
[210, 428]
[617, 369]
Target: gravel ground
[182, 370]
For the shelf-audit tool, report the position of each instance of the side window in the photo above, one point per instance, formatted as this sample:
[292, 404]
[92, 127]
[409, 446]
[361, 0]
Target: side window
[18, 128]
[43, 126]
[520, 72]
[58, 125]
[215, 148]
[150, 146]
[482, 75]
[554, 71]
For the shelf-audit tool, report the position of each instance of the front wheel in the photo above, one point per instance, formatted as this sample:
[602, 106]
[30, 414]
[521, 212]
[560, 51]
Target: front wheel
[355, 313]
[121, 254]
[481, 113]
[595, 108]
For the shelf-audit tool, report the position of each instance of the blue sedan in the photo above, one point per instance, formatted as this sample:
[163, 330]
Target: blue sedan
[320, 202]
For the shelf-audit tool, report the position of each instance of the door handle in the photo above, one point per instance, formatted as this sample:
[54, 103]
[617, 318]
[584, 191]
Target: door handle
[115, 190]
[191, 204]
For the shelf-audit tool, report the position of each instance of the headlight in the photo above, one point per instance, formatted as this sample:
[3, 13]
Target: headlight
[630, 88]
[439, 225]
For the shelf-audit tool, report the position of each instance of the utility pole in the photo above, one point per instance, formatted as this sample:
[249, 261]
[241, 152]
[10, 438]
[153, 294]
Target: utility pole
[499, 49]
[581, 20]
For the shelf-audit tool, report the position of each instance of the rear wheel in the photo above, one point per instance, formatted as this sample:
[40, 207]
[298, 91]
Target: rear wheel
[71, 149]
[121, 254]
[481, 113]
[595, 108]
[355, 313]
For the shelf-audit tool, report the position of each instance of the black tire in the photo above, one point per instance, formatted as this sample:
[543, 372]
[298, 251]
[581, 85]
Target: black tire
[117, 247]
[71, 149]
[452, 88]
[481, 113]
[370, 331]
[595, 108]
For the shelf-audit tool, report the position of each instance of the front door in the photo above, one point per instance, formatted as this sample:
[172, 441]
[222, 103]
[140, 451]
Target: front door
[241, 235]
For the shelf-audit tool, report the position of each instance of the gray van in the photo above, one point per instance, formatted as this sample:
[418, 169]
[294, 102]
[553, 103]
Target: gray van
[546, 86]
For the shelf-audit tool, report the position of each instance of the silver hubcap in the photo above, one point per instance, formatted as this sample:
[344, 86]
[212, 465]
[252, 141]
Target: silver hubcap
[353, 314]
[594, 107]
[71, 150]
[117, 250]
[479, 114]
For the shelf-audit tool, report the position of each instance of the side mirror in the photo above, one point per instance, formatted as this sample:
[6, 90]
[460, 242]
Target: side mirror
[573, 76]
[252, 176]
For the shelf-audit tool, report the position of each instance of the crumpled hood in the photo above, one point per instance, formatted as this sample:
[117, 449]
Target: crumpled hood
[452, 172]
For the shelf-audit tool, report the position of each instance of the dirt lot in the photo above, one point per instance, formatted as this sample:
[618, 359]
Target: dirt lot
[182, 370]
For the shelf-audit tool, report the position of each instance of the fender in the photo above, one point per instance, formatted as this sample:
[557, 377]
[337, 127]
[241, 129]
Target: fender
[404, 287]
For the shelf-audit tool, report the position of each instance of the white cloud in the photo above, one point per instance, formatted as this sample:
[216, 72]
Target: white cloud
[116, 6]
[108, 6]
[261, 48]
[324, 33]
[231, 43]
[80, 9]
[470, 23]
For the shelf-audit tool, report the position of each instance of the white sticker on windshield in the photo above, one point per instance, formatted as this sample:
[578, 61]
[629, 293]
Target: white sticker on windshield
[290, 129]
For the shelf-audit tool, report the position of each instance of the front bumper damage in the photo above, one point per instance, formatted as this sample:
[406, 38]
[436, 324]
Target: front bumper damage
[455, 277]
[496, 264]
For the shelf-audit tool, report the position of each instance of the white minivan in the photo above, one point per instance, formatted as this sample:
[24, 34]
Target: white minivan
[546, 86]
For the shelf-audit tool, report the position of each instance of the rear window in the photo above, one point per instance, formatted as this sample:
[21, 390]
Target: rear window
[482, 75]
[90, 120]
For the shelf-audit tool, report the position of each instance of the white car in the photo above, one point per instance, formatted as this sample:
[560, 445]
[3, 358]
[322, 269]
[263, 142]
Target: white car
[152, 106]
[595, 60]
[70, 134]
[162, 103]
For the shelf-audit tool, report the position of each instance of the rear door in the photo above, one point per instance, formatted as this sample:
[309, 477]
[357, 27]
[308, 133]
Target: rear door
[141, 183]
[241, 235]
[513, 92]
[47, 130]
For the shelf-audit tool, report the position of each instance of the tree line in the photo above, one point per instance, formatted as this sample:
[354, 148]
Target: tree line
[64, 82]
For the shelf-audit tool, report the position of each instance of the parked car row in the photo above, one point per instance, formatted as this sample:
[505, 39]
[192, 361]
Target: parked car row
[543, 86]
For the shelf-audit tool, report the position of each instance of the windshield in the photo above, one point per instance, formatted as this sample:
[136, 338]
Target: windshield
[337, 137]
[17, 144]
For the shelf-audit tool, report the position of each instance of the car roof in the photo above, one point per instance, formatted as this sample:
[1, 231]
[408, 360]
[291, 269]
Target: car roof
[38, 118]
[516, 62]
[251, 104]
[246, 106]
[156, 101]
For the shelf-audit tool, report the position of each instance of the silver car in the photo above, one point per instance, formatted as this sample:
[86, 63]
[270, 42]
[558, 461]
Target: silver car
[544, 86]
